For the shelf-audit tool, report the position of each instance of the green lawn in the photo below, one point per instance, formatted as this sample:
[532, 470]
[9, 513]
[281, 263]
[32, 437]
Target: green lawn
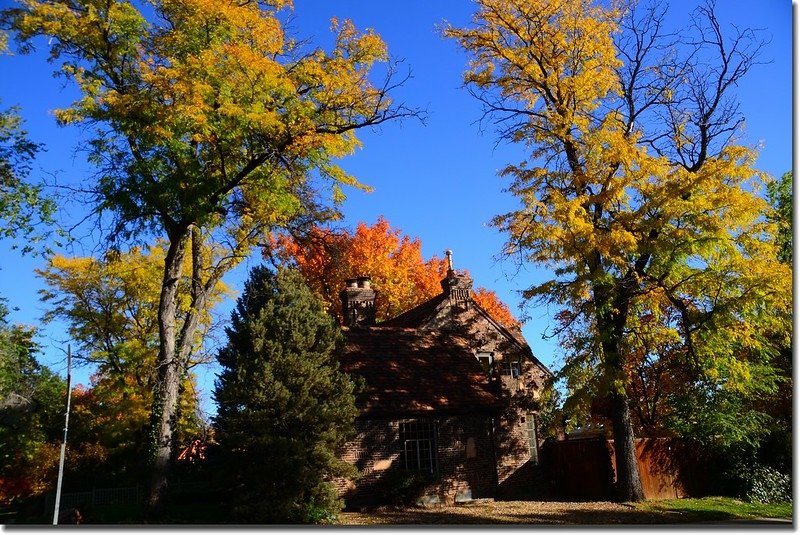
[717, 508]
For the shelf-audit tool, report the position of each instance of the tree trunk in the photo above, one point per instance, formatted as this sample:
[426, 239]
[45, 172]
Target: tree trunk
[175, 349]
[629, 482]
[165, 397]
[613, 303]
[199, 295]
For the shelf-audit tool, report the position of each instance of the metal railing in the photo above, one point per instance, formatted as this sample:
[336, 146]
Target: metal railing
[97, 497]
[110, 496]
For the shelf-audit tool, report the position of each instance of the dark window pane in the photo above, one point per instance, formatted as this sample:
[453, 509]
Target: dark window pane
[419, 446]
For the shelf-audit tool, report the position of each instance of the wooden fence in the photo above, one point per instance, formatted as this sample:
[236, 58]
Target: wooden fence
[586, 468]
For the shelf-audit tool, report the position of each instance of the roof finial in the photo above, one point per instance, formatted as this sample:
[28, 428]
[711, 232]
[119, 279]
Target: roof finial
[449, 254]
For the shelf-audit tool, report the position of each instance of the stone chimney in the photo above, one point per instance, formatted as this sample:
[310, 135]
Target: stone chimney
[458, 286]
[358, 302]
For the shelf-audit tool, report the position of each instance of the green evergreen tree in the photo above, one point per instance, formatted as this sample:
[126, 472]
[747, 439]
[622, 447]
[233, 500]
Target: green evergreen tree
[284, 406]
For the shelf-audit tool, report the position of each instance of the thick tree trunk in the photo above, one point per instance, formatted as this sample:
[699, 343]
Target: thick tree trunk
[165, 397]
[174, 352]
[613, 303]
[629, 482]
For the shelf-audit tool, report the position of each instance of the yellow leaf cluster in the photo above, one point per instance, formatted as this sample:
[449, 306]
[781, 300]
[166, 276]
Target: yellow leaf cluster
[660, 246]
[215, 83]
[111, 306]
[556, 57]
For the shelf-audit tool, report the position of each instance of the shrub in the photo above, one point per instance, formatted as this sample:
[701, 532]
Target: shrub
[401, 488]
[767, 485]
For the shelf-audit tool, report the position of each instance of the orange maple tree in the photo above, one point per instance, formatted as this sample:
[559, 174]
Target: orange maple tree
[394, 262]
[488, 300]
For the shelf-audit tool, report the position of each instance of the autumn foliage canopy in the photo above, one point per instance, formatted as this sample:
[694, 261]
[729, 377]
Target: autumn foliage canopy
[636, 192]
[206, 120]
[394, 262]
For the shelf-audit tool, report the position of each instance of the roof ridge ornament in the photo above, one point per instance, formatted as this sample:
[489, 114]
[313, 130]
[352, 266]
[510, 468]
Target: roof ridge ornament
[449, 254]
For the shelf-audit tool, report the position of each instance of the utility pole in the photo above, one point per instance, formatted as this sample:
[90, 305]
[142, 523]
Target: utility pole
[64, 442]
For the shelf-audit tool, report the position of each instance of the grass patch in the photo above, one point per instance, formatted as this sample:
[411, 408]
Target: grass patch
[717, 508]
[189, 509]
[655, 512]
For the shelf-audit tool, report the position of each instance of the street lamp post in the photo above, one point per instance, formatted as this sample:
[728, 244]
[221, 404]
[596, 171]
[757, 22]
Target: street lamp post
[63, 442]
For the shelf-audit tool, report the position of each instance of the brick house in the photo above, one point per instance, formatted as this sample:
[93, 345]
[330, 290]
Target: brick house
[450, 398]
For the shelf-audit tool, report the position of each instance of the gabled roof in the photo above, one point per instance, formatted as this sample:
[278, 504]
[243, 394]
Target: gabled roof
[414, 372]
[419, 316]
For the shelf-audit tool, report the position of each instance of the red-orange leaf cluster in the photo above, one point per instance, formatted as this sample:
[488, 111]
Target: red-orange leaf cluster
[403, 278]
[488, 300]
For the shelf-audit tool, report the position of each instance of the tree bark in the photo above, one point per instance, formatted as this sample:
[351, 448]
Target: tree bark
[199, 292]
[613, 303]
[165, 397]
[629, 482]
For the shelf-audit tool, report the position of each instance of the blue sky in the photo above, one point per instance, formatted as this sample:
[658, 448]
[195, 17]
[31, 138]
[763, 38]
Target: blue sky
[436, 181]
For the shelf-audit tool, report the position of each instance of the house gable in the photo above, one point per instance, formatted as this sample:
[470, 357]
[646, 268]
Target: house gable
[448, 312]
[423, 370]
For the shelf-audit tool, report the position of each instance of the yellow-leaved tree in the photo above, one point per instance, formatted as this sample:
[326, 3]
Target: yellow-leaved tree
[110, 306]
[210, 125]
[636, 194]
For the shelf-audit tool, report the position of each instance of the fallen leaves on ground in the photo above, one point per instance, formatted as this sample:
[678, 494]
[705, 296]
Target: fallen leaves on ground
[515, 512]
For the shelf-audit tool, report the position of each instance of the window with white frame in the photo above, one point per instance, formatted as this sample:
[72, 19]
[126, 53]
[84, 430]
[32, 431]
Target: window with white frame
[487, 362]
[418, 440]
[511, 367]
[533, 444]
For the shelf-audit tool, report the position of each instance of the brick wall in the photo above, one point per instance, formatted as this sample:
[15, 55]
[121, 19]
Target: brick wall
[466, 458]
[373, 451]
[517, 469]
[465, 461]
[517, 473]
